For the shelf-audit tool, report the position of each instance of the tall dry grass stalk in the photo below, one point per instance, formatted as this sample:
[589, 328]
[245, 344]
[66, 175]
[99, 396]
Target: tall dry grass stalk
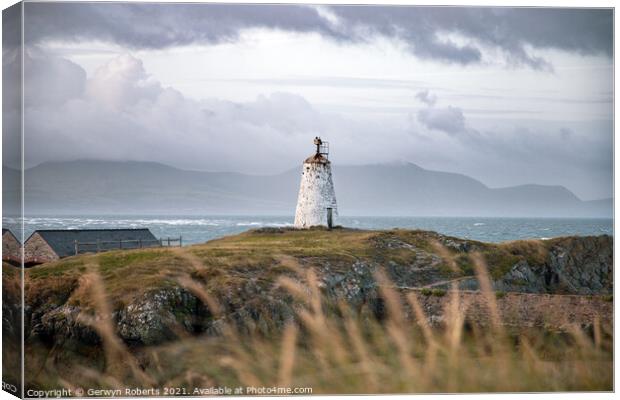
[121, 365]
[335, 348]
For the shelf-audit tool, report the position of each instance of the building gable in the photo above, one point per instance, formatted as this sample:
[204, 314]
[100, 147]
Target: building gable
[37, 250]
[11, 247]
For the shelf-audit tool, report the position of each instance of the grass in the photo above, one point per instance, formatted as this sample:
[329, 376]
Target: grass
[433, 292]
[326, 345]
[258, 254]
[126, 275]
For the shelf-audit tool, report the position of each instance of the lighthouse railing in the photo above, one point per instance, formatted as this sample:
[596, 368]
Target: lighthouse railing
[324, 149]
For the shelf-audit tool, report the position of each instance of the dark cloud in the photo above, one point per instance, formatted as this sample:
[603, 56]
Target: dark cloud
[585, 31]
[510, 30]
[154, 26]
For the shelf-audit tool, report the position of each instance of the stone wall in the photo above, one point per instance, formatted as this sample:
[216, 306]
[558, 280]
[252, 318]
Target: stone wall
[525, 309]
[37, 250]
[316, 194]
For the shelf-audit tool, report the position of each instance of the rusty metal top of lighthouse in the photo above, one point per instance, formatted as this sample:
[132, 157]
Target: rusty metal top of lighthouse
[322, 152]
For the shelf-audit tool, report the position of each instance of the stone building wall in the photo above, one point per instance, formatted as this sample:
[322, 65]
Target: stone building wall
[37, 250]
[11, 248]
[316, 194]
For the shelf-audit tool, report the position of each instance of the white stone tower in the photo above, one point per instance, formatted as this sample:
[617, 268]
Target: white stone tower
[316, 204]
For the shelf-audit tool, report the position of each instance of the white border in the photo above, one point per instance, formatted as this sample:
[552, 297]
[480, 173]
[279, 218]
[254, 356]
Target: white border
[506, 3]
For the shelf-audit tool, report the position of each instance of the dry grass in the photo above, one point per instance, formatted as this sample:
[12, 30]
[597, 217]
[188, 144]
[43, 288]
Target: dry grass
[333, 349]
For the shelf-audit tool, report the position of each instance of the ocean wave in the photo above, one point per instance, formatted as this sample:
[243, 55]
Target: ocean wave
[63, 222]
[269, 224]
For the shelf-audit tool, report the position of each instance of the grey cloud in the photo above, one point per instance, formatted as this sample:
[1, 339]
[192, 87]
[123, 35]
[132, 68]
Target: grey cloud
[585, 31]
[446, 119]
[449, 119]
[426, 97]
[51, 80]
[510, 30]
[121, 113]
[154, 26]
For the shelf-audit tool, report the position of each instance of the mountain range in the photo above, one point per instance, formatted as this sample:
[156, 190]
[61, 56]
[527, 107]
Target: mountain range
[404, 189]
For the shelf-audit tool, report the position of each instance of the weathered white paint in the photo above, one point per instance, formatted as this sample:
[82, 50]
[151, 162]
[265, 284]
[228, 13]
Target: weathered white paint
[316, 194]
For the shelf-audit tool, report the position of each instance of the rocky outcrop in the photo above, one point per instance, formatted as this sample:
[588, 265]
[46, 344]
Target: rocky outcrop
[573, 266]
[155, 317]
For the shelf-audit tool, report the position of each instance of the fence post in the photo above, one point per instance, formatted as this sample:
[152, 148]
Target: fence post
[120, 243]
[140, 243]
[168, 241]
[180, 241]
[76, 247]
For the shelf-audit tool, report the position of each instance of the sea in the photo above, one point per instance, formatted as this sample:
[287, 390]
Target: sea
[200, 229]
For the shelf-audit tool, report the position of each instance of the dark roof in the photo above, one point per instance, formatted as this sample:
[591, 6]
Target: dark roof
[62, 241]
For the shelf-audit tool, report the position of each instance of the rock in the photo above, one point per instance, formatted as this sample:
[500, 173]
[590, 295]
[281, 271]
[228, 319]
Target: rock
[522, 278]
[158, 315]
[63, 323]
[576, 265]
[581, 266]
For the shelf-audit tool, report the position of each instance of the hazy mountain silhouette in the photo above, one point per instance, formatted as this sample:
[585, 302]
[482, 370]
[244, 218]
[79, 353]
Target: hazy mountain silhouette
[106, 187]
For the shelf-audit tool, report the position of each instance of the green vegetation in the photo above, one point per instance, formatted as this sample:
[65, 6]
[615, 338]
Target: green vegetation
[426, 291]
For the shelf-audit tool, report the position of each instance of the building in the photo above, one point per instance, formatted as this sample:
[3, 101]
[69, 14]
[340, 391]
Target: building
[50, 245]
[11, 248]
[316, 203]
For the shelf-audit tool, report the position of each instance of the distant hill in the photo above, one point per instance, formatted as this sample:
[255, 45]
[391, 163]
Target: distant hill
[95, 187]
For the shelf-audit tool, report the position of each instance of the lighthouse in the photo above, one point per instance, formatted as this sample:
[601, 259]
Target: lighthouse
[316, 203]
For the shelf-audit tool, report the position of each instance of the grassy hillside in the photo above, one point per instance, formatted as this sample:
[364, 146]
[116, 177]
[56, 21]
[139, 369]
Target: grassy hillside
[228, 312]
[262, 255]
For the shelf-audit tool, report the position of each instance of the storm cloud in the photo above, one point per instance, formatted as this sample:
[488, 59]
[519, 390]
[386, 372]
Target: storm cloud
[452, 89]
[460, 35]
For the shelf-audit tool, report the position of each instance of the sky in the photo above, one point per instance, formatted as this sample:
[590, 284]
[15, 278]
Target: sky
[508, 96]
